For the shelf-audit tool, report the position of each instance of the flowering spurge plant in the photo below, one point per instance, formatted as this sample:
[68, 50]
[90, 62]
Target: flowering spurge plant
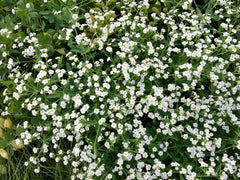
[125, 89]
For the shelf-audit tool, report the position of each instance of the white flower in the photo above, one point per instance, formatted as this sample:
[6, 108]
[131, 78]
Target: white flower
[109, 176]
[27, 5]
[75, 16]
[26, 163]
[109, 49]
[4, 54]
[238, 145]
[16, 95]
[107, 145]
[95, 77]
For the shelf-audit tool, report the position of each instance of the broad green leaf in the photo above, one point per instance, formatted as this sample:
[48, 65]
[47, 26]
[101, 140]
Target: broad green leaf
[22, 15]
[71, 44]
[9, 22]
[51, 32]
[34, 15]
[77, 50]
[61, 51]
[45, 39]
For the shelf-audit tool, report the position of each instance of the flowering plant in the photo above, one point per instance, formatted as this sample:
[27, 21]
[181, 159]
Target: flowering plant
[123, 89]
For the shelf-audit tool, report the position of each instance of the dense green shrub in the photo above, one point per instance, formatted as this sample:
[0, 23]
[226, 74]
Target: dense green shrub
[120, 89]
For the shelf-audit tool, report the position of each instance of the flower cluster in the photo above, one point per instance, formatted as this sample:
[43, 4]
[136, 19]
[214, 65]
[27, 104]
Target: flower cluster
[138, 93]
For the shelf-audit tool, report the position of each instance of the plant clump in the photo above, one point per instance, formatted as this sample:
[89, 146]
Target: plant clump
[126, 89]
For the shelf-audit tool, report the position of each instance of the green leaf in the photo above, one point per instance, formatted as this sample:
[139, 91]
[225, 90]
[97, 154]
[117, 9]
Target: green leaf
[34, 15]
[9, 23]
[18, 35]
[69, 68]
[11, 108]
[43, 24]
[55, 4]
[71, 44]
[51, 32]
[3, 143]
[181, 177]
[33, 26]
[61, 51]
[198, 11]
[44, 12]
[95, 122]
[76, 50]
[22, 15]
[3, 39]
[61, 63]
[107, 125]
[51, 18]
[19, 131]
[8, 134]
[66, 16]
[1, 18]
[5, 83]
[55, 95]
[54, 78]
[91, 55]
[35, 121]
[45, 39]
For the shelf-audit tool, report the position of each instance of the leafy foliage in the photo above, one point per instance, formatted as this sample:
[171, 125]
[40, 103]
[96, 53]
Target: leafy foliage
[111, 89]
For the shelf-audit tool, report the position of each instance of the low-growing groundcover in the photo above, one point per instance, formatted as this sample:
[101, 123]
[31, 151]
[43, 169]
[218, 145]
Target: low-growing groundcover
[124, 89]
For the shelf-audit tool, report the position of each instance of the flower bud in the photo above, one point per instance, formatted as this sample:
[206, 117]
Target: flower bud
[155, 10]
[157, 3]
[4, 153]
[8, 123]
[92, 18]
[94, 40]
[91, 30]
[165, 9]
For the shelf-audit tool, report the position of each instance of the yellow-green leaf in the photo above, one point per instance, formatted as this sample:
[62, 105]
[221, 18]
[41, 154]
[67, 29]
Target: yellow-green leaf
[61, 51]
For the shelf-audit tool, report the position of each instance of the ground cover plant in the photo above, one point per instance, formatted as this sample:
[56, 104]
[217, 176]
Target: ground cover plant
[124, 89]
